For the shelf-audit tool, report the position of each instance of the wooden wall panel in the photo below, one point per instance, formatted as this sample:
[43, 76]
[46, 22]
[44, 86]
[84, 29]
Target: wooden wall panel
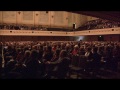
[9, 17]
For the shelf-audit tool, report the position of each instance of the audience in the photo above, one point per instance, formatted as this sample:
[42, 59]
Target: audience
[62, 65]
[99, 24]
[21, 27]
[28, 59]
[94, 24]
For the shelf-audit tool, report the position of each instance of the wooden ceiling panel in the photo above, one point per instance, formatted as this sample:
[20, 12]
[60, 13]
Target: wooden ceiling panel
[109, 15]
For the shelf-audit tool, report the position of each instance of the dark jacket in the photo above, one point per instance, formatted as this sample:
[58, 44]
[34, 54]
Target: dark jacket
[62, 66]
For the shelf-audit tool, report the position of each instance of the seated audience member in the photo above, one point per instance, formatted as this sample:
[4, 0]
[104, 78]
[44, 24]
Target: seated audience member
[33, 64]
[55, 56]
[82, 51]
[96, 59]
[26, 57]
[101, 51]
[34, 59]
[88, 54]
[9, 66]
[47, 56]
[20, 69]
[20, 55]
[61, 65]
[54, 59]
[76, 50]
[40, 52]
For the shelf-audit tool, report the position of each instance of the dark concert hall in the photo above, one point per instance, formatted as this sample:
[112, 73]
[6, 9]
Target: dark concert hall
[60, 44]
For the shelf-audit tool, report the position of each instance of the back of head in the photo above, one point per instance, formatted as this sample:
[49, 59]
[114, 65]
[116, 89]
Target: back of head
[95, 49]
[27, 53]
[76, 47]
[63, 53]
[57, 52]
[34, 54]
[49, 48]
[89, 49]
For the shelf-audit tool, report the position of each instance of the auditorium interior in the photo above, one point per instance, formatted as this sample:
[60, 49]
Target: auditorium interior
[60, 44]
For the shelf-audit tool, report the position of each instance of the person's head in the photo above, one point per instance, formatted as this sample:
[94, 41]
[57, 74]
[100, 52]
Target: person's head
[34, 54]
[18, 50]
[49, 48]
[63, 53]
[27, 53]
[41, 47]
[76, 47]
[57, 52]
[34, 47]
[67, 46]
[62, 45]
[81, 48]
[88, 49]
[26, 48]
[44, 48]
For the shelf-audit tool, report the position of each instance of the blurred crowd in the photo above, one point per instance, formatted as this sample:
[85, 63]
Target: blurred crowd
[94, 24]
[29, 59]
[99, 24]
[21, 27]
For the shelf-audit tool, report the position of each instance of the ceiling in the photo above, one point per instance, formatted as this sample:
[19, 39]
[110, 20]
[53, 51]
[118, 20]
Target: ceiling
[109, 15]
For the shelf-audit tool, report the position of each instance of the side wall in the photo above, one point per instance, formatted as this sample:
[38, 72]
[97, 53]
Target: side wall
[45, 18]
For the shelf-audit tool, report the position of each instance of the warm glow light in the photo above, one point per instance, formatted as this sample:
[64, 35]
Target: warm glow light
[80, 38]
